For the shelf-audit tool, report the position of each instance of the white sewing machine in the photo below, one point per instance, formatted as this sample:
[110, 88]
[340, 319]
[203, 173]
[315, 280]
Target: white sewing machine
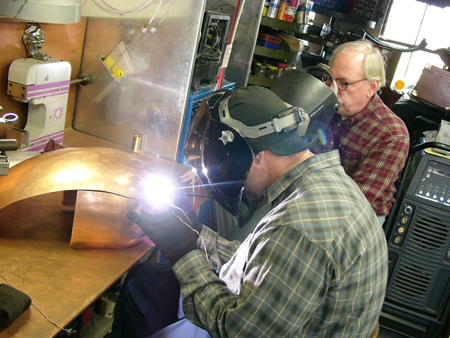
[44, 84]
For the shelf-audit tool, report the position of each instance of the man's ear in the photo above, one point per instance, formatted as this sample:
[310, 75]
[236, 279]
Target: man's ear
[373, 87]
[259, 157]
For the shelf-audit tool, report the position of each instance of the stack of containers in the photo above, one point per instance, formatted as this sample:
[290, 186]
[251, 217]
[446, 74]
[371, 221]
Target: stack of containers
[282, 10]
[268, 41]
[265, 69]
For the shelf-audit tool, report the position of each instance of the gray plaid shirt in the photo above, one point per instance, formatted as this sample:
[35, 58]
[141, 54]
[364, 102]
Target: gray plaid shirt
[314, 266]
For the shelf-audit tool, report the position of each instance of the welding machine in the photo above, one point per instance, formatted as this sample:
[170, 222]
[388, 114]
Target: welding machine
[417, 296]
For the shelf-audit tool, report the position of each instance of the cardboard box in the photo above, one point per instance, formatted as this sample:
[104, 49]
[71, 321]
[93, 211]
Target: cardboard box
[295, 45]
[434, 86]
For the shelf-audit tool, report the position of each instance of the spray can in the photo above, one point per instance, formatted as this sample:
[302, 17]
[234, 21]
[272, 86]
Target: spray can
[273, 8]
[282, 8]
[266, 7]
[291, 11]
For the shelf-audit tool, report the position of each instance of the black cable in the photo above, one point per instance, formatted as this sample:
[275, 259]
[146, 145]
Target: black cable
[420, 46]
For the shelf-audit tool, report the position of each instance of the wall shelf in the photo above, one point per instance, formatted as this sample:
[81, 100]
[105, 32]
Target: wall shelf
[276, 54]
[311, 38]
[294, 29]
[278, 24]
[345, 17]
[260, 81]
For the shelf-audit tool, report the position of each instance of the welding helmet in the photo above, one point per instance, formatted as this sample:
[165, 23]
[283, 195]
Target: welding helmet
[305, 88]
[219, 154]
[229, 128]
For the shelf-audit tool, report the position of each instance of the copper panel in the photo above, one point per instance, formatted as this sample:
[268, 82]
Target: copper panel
[93, 169]
[107, 180]
[100, 221]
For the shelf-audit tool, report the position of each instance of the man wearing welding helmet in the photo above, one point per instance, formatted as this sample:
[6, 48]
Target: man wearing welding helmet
[314, 265]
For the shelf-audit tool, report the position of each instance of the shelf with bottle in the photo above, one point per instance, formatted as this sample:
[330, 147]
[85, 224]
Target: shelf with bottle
[278, 24]
[294, 28]
[265, 71]
[298, 29]
[345, 17]
[276, 44]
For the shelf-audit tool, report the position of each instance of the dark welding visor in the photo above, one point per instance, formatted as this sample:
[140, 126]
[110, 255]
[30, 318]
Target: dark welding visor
[220, 156]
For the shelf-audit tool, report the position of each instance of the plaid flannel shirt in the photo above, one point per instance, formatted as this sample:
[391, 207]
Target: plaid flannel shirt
[314, 266]
[373, 147]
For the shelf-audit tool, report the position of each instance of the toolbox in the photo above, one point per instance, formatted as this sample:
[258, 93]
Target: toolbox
[267, 44]
[434, 86]
[269, 38]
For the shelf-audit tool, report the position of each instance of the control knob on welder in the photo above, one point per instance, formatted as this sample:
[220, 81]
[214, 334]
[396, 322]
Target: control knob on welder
[408, 209]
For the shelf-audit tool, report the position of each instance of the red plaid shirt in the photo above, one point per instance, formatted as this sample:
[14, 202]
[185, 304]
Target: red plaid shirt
[373, 147]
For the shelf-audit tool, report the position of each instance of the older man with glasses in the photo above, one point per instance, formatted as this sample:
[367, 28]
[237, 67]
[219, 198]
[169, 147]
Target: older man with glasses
[373, 142]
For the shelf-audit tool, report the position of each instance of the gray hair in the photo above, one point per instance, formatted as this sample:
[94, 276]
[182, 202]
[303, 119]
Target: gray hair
[374, 63]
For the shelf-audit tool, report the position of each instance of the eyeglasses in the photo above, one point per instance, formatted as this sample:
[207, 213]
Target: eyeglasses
[342, 85]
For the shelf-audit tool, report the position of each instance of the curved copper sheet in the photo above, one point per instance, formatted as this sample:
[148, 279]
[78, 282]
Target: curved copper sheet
[94, 169]
[107, 180]
[101, 221]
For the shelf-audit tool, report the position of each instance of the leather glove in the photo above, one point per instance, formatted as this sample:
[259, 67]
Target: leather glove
[172, 230]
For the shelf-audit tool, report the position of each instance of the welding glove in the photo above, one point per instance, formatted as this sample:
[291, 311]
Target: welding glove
[12, 303]
[174, 231]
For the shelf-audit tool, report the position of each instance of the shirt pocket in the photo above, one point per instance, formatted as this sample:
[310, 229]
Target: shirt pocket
[350, 160]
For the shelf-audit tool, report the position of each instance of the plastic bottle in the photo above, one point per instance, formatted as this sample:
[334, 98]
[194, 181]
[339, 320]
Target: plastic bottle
[273, 8]
[282, 9]
[300, 15]
[309, 6]
[326, 29]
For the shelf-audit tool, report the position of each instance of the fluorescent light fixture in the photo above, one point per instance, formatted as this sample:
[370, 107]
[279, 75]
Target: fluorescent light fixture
[43, 11]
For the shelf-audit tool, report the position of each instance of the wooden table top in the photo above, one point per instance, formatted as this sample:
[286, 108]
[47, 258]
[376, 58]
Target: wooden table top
[36, 258]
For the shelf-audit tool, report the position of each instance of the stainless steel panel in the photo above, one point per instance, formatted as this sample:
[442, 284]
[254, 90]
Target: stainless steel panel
[152, 99]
